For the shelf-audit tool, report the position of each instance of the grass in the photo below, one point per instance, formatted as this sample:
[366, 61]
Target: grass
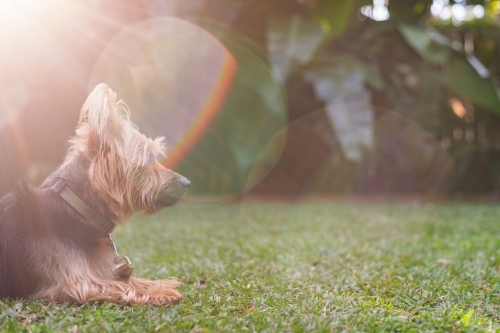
[301, 267]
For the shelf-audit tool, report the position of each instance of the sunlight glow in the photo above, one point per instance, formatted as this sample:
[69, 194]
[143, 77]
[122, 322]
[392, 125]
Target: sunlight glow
[457, 107]
[458, 12]
[10, 11]
[378, 12]
[478, 11]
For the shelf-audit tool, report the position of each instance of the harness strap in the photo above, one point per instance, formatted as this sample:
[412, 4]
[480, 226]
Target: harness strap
[61, 188]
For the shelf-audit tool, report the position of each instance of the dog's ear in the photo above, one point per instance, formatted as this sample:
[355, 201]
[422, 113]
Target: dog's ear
[100, 120]
[99, 133]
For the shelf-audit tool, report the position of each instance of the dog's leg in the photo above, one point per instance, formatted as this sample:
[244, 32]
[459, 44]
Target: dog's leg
[157, 289]
[134, 292]
[140, 292]
[148, 284]
[79, 279]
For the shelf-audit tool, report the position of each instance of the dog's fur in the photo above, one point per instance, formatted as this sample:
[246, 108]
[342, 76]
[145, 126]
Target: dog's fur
[48, 250]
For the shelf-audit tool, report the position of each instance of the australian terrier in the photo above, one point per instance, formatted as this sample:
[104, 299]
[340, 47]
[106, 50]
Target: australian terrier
[55, 240]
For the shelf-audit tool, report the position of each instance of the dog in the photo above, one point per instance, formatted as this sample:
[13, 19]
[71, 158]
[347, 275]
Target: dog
[55, 240]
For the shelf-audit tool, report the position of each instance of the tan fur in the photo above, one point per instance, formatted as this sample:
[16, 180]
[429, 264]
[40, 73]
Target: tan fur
[121, 175]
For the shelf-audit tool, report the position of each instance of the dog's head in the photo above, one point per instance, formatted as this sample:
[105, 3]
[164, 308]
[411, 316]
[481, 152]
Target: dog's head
[122, 163]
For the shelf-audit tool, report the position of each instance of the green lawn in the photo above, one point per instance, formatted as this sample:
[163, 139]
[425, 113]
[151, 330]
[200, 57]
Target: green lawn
[301, 267]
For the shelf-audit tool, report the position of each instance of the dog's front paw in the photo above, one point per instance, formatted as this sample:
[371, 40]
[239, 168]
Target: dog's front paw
[169, 294]
[170, 283]
[156, 292]
[167, 297]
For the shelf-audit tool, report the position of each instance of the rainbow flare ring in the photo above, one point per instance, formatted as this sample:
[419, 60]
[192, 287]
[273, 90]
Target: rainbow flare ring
[206, 115]
[174, 76]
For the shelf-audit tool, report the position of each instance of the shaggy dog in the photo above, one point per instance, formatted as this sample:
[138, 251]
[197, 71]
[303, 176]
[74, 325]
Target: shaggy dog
[55, 240]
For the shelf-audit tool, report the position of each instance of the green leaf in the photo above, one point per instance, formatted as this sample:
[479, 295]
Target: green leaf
[349, 62]
[334, 16]
[347, 106]
[466, 320]
[292, 41]
[465, 75]
[431, 47]
[465, 80]
[253, 112]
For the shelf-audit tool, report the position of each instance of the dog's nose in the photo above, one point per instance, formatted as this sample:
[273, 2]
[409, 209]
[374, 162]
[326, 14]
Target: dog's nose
[184, 182]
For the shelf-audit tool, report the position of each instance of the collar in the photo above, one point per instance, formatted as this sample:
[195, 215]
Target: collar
[61, 188]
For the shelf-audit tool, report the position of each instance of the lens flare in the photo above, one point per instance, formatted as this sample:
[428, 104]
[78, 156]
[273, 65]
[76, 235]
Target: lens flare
[172, 74]
[207, 113]
[205, 88]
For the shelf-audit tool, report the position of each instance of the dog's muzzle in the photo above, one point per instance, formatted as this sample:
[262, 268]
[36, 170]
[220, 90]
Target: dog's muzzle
[173, 192]
[184, 183]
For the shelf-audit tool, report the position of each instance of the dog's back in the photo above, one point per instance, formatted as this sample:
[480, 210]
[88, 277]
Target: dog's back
[36, 229]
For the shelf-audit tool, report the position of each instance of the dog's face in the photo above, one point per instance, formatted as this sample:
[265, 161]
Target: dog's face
[150, 186]
[123, 163]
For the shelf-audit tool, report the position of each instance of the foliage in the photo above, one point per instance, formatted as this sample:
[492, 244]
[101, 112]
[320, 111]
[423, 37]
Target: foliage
[282, 267]
[347, 106]
[252, 113]
[323, 70]
[331, 57]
